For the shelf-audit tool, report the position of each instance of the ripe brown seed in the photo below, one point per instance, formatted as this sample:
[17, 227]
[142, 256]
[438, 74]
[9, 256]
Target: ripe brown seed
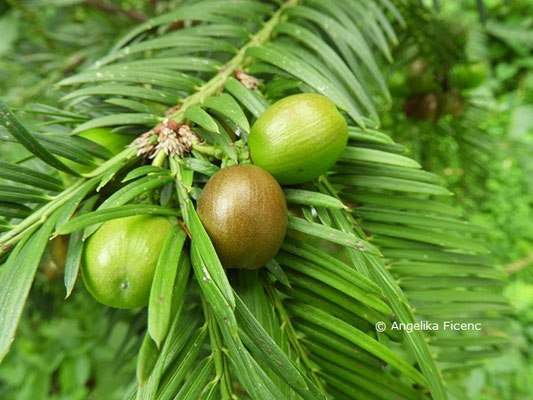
[423, 107]
[52, 271]
[244, 212]
[54, 265]
[58, 250]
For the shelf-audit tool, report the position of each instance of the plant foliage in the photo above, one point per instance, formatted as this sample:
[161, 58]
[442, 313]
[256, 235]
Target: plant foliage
[372, 240]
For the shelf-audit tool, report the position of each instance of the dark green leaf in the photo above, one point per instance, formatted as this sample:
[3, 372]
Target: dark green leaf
[160, 303]
[197, 380]
[147, 359]
[197, 115]
[14, 210]
[438, 238]
[380, 157]
[214, 271]
[384, 182]
[29, 176]
[227, 106]
[271, 354]
[16, 278]
[330, 234]
[75, 248]
[145, 170]
[20, 194]
[201, 166]
[158, 95]
[25, 138]
[98, 216]
[311, 198]
[118, 119]
[255, 104]
[358, 338]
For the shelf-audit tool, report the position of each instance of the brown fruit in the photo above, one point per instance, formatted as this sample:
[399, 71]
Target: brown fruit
[54, 265]
[58, 250]
[423, 107]
[244, 212]
[52, 271]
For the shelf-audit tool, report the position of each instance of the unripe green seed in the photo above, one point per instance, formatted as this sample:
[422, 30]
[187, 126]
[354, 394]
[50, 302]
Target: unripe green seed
[468, 76]
[119, 260]
[397, 84]
[298, 138]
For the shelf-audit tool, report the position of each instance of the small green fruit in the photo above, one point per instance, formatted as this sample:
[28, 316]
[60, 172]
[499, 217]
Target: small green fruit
[120, 258]
[468, 76]
[298, 138]
[397, 84]
[244, 212]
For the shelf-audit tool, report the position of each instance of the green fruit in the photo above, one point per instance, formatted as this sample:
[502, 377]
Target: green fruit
[398, 84]
[244, 212]
[120, 258]
[114, 142]
[468, 76]
[298, 138]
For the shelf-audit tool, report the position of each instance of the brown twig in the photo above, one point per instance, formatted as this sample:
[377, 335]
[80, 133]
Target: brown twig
[111, 8]
[519, 264]
[184, 227]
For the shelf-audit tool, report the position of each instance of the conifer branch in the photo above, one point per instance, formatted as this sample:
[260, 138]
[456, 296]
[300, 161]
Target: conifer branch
[238, 62]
